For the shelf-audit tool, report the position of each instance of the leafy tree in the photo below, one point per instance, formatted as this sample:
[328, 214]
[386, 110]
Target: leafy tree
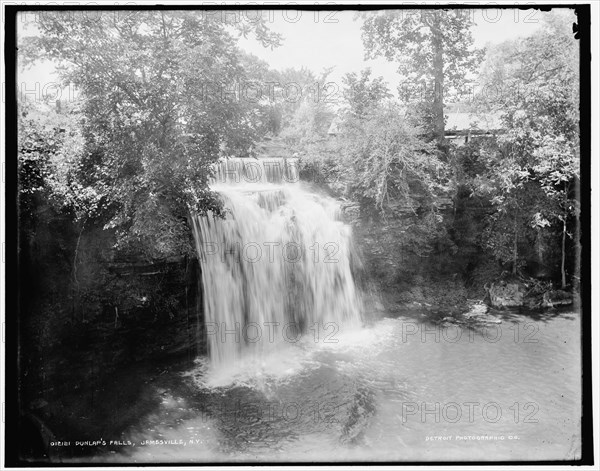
[309, 117]
[38, 141]
[434, 51]
[160, 106]
[293, 88]
[386, 162]
[377, 155]
[515, 203]
[535, 168]
[363, 93]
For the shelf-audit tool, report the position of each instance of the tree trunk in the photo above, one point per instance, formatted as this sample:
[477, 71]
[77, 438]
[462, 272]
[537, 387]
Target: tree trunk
[563, 280]
[74, 279]
[563, 274]
[515, 248]
[438, 71]
[539, 246]
[576, 276]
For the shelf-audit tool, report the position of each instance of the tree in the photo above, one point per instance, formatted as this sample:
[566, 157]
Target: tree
[308, 116]
[294, 88]
[433, 48]
[388, 165]
[160, 104]
[363, 93]
[515, 200]
[536, 165]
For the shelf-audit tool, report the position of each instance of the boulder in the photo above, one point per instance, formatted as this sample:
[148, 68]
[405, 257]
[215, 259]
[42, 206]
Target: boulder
[557, 297]
[506, 295]
[350, 213]
[477, 309]
[479, 314]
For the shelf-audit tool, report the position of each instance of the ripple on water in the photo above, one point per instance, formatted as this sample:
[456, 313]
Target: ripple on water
[351, 400]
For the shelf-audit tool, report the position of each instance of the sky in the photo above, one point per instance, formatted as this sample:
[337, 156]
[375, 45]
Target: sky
[319, 40]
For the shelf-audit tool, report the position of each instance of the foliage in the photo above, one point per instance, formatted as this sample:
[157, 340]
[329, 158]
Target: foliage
[165, 94]
[159, 106]
[377, 156]
[362, 93]
[532, 170]
[434, 51]
[307, 127]
[377, 148]
[387, 163]
[49, 144]
[295, 88]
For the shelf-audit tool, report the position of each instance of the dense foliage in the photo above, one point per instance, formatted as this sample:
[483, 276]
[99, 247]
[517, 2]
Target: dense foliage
[532, 168]
[161, 100]
[514, 193]
[158, 106]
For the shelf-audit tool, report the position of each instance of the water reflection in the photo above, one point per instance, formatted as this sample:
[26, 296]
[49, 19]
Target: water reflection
[381, 394]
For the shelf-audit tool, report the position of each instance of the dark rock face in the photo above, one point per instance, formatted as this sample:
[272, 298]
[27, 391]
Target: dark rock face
[152, 311]
[88, 313]
[410, 270]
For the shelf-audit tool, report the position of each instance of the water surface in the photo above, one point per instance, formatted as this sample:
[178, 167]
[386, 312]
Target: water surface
[392, 391]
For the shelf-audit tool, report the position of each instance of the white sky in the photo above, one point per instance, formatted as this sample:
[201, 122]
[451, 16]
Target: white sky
[318, 40]
[333, 39]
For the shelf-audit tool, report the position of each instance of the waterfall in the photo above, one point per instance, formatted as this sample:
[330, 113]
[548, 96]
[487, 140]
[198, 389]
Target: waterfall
[277, 267]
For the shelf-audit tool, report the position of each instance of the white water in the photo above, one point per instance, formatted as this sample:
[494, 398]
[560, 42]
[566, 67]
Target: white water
[276, 269]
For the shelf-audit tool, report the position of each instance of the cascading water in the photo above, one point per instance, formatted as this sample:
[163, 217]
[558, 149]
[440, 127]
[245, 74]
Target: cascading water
[277, 267]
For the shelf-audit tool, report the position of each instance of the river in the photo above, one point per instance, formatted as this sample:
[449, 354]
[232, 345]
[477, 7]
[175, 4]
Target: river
[394, 390]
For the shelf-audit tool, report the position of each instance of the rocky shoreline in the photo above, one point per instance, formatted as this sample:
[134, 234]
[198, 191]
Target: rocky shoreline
[501, 296]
